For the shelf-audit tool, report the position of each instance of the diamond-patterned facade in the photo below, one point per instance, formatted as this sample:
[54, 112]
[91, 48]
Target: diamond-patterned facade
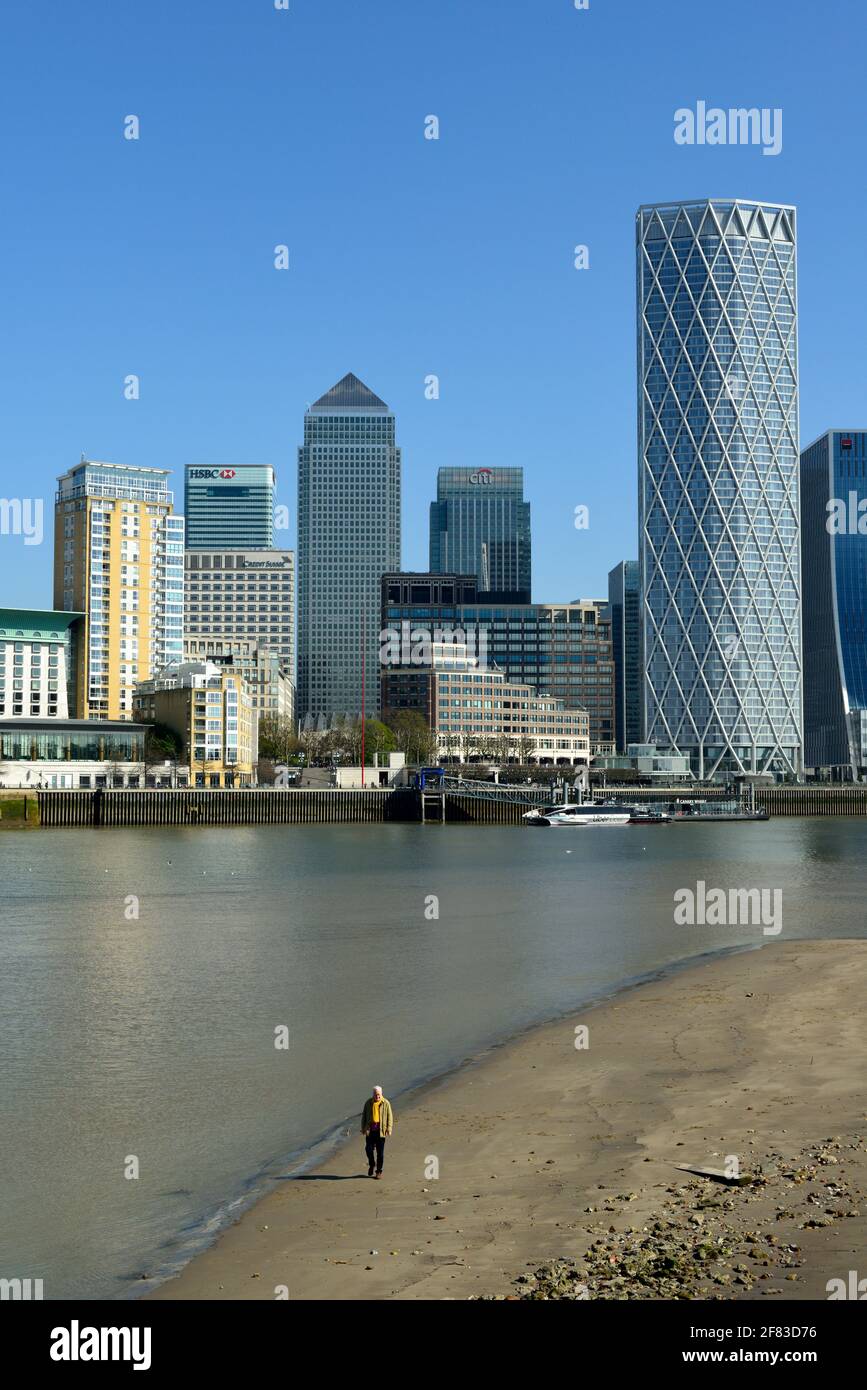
[718, 484]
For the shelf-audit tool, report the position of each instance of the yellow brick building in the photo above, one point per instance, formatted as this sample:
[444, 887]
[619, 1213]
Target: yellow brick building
[119, 559]
[212, 712]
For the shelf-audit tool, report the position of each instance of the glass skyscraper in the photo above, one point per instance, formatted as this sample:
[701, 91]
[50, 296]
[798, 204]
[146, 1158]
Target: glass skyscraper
[480, 524]
[718, 484]
[834, 559]
[625, 606]
[229, 508]
[348, 537]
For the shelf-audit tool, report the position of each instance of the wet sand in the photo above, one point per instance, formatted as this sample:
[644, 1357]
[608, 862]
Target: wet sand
[542, 1149]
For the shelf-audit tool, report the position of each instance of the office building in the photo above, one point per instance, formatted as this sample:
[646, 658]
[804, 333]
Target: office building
[563, 651]
[479, 715]
[834, 598]
[349, 498]
[718, 485]
[242, 596]
[119, 560]
[480, 524]
[38, 657]
[211, 712]
[229, 507]
[624, 603]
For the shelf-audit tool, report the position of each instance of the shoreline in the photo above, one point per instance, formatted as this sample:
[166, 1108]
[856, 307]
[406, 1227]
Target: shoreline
[311, 1234]
[256, 1187]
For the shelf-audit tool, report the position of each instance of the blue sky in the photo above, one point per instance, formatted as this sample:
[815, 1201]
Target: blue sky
[407, 256]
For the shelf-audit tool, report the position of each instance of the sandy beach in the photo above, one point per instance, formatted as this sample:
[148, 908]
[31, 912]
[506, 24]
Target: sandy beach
[550, 1152]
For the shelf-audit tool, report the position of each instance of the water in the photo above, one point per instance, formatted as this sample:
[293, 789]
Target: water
[154, 1037]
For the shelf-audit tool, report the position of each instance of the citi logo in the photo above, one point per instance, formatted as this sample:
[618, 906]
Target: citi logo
[482, 475]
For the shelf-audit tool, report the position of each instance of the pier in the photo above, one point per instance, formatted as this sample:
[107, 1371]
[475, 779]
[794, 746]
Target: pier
[456, 802]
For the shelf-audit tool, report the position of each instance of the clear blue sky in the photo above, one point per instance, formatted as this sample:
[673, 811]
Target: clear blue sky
[408, 256]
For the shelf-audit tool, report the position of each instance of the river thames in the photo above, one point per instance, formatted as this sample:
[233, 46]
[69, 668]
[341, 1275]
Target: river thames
[147, 976]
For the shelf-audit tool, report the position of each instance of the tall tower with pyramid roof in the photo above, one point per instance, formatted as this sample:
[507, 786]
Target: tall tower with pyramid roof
[348, 537]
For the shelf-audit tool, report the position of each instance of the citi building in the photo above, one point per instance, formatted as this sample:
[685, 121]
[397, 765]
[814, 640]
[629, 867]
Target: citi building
[480, 524]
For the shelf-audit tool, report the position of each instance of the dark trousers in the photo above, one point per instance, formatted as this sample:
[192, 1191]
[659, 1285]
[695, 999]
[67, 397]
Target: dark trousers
[374, 1147]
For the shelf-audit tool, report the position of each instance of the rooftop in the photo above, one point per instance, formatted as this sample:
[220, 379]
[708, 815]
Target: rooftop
[349, 394]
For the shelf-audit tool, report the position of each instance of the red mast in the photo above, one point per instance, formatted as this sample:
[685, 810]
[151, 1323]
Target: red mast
[362, 696]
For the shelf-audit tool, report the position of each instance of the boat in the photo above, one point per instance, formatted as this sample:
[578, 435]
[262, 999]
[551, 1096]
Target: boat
[576, 813]
[641, 816]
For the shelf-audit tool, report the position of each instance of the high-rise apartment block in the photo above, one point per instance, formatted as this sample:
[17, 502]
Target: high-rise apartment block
[119, 560]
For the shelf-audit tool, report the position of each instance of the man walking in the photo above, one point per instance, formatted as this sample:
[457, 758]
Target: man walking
[377, 1122]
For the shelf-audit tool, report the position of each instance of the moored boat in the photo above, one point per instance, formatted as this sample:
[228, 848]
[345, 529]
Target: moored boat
[575, 813]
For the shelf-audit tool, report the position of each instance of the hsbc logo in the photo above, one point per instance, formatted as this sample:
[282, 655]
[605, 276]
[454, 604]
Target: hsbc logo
[212, 473]
[482, 475]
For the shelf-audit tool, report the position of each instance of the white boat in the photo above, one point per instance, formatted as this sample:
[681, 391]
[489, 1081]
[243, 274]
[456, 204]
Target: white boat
[574, 813]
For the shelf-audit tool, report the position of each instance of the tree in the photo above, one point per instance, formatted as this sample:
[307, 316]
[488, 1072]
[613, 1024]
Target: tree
[413, 735]
[378, 738]
[162, 744]
[278, 739]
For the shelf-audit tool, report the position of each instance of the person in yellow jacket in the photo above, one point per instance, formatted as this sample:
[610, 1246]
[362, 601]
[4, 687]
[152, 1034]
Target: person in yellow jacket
[377, 1123]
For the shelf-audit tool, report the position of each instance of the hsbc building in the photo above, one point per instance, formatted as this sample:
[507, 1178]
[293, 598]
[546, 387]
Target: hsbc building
[229, 506]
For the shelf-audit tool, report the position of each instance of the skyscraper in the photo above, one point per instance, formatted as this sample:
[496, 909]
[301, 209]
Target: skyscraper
[834, 557]
[119, 560]
[348, 537]
[248, 597]
[625, 606]
[718, 484]
[229, 508]
[480, 524]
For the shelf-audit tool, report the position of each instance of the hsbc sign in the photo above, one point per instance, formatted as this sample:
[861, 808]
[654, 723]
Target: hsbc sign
[223, 473]
[482, 475]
